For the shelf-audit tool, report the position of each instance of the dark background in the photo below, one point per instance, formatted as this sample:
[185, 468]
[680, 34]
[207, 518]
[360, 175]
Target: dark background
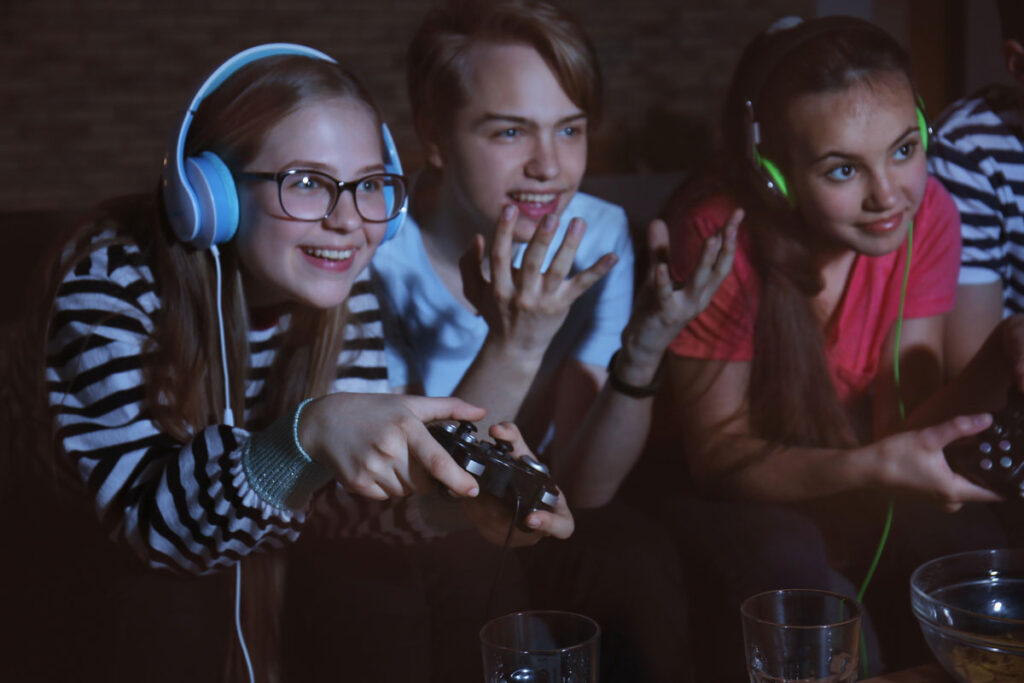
[91, 89]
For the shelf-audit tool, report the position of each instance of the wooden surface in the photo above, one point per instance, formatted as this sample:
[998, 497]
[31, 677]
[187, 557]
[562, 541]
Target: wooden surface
[932, 673]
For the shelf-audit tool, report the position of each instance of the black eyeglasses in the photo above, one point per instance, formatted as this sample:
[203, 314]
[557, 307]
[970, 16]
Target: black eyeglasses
[311, 195]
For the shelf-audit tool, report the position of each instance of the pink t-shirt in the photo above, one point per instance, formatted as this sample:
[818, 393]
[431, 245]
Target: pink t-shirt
[867, 309]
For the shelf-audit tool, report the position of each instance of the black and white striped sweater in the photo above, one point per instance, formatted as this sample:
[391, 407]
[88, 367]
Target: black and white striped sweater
[187, 506]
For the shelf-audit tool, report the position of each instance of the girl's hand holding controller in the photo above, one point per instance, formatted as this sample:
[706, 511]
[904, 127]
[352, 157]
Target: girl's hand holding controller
[492, 517]
[378, 446]
[913, 462]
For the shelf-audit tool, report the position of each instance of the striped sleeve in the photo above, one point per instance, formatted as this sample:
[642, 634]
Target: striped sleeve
[978, 154]
[182, 506]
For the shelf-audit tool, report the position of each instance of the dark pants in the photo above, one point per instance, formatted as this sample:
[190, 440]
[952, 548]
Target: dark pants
[734, 549]
[414, 614]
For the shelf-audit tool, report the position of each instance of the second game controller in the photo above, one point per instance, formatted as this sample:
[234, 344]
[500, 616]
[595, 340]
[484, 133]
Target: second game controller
[994, 458]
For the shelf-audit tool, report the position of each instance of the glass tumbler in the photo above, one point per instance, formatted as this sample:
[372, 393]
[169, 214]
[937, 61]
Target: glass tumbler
[810, 636]
[540, 647]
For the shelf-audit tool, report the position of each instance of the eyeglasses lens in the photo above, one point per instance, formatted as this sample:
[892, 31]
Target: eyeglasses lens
[308, 195]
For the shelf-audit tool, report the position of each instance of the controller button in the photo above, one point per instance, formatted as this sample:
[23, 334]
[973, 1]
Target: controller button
[1004, 445]
[549, 498]
[535, 464]
[985, 464]
[1005, 461]
[475, 468]
[985, 447]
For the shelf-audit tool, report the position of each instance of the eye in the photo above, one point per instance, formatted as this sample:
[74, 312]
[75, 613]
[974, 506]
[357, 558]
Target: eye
[905, 151]
[302, 182]
[573, 131]
[841, 173]
[371, 184]
[508, 134]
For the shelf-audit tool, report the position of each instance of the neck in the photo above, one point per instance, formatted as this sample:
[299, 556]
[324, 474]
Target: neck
[447, 225]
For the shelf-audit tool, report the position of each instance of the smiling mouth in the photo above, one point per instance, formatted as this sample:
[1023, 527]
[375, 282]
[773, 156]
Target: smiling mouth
[329, 254]
[534, 197]
[885, 225]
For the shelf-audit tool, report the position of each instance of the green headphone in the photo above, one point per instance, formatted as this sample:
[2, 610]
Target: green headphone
[786, 36]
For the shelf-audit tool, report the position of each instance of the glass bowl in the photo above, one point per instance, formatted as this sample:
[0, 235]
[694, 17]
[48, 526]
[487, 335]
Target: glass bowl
[971, 610]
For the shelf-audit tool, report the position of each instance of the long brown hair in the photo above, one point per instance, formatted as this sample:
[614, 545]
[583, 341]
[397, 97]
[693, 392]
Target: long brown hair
[184, 385]
[791, 396]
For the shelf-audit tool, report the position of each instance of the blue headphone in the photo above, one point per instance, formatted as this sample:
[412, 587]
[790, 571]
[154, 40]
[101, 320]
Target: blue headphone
[199, 192]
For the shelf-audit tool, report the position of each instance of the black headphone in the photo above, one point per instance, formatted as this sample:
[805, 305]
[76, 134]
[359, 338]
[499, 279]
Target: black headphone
[781, 39]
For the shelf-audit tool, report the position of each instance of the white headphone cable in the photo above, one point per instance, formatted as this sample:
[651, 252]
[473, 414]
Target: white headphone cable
[229, 420]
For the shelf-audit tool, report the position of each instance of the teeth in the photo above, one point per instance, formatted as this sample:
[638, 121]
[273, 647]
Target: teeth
[330, 254]
[534, 197]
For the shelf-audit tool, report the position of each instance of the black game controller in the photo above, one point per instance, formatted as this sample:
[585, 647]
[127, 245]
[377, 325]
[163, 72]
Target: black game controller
[994, 458]
[499, 474]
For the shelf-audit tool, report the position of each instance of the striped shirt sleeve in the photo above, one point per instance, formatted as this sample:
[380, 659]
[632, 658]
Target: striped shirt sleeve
[978, 154]
[181, 506]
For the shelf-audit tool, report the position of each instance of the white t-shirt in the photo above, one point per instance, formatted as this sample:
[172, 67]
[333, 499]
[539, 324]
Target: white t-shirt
[432, 339]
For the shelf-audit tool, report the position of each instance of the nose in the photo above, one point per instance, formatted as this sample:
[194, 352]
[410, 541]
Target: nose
[543, 163]
[882, 192]
[344, 216]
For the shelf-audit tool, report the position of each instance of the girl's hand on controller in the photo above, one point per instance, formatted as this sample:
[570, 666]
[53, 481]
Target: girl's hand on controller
[914, 463]
[378, 446]
[492, 517]
[525, 307]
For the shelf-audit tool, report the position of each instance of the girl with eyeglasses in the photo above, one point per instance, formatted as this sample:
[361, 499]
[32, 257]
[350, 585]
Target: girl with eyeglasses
[137, 374]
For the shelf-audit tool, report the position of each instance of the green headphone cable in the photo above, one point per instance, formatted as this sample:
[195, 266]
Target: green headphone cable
[903, 416]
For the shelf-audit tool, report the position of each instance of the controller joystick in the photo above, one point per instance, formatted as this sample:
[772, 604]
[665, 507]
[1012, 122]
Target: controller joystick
[994, 458]
[497, 471]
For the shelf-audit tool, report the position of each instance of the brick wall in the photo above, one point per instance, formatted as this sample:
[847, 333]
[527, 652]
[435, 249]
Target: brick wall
[91, 89]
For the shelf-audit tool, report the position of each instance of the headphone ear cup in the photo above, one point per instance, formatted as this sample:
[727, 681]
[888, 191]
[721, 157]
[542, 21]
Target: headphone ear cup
[392, 164]
[217, 214]
[922, 122]
[774, 174]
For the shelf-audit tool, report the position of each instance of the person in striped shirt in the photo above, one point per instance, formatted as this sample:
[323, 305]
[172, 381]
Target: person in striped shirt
[142, 420]
[978, 154]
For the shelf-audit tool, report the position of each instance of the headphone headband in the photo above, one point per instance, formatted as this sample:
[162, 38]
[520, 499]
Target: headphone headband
[784, 37]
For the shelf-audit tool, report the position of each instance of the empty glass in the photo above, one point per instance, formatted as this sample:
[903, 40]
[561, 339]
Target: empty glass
[540, 647]
[805, 636]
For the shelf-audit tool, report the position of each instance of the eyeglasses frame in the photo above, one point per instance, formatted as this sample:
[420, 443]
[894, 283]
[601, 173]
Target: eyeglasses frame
[343, 186]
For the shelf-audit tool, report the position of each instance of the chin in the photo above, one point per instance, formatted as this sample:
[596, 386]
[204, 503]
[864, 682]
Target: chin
[883, 245]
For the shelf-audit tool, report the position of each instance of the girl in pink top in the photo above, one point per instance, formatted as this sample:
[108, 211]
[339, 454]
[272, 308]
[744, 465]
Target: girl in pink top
[785, 386]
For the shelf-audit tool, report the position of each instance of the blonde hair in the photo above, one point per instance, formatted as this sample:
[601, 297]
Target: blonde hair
[435, 61]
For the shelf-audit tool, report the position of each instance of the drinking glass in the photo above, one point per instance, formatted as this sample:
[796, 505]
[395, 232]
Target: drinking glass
[540, 647]
[805, 636]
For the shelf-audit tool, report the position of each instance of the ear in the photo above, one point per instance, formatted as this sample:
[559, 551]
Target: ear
[1013, 53]
[430, 141]
[432, 150]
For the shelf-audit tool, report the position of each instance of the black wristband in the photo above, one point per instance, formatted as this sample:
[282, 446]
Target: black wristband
[632, 390]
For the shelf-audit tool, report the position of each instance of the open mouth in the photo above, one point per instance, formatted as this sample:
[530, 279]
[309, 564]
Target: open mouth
[328, 254]
[535, 205]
